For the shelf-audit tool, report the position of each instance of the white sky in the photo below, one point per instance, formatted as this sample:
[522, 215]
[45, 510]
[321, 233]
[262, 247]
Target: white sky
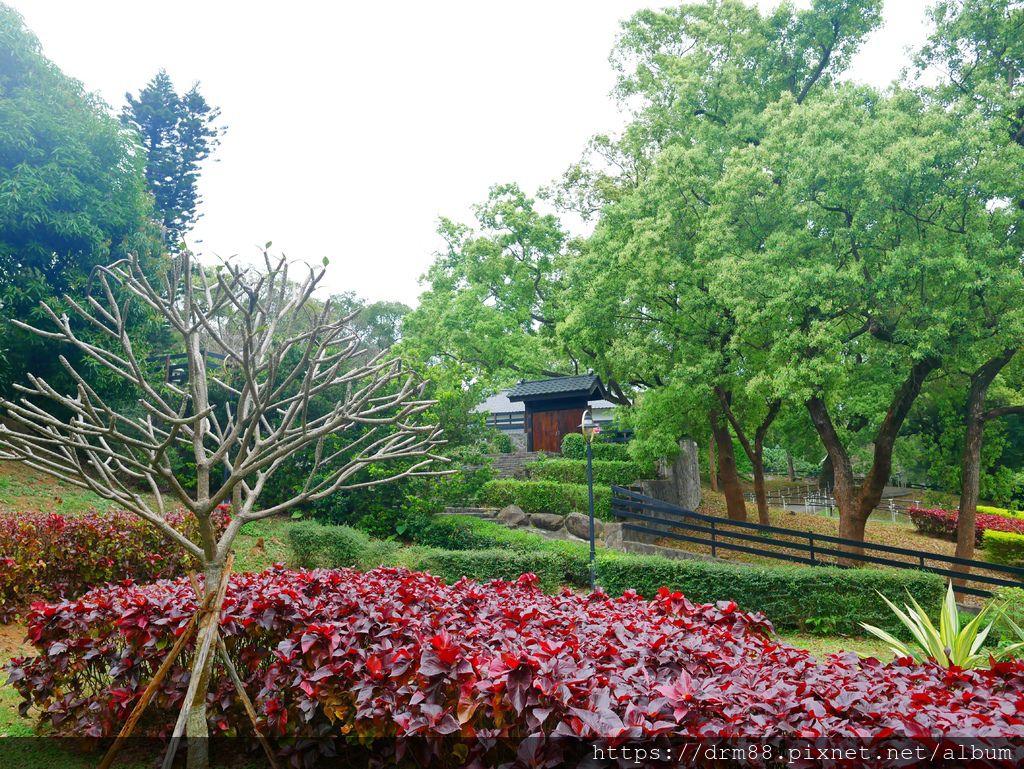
[352, 126]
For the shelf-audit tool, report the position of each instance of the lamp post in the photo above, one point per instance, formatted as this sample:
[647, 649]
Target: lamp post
[588, 427]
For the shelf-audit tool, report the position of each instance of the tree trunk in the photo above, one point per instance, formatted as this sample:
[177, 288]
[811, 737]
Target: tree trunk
[736, 508]
[790, 471]
[754, 452]
[970, 462]
[857, 503]
[759, 491]
[827, 476]
[712, 463]
[196, 727]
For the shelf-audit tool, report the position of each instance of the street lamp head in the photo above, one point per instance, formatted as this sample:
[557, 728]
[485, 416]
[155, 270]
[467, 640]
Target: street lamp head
[588, 426]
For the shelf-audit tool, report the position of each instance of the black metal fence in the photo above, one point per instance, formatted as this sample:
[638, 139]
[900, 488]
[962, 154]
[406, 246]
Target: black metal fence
[653, 517]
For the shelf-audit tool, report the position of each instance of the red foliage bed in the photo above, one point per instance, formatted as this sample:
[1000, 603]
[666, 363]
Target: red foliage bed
[336, 658]
[942, 523]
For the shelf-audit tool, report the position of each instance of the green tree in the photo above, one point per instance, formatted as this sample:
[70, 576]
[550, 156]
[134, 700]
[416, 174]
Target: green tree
[978, 45]
[699, 79]
[491, 303]
[72, 192]
[178, 133]
[857, 244]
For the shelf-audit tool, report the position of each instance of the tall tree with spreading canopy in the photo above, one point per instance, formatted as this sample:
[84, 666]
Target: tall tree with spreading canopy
[851, 244]
[698, 79]
[491, 303]
[241, 421]
[978, 47]
[178, 132]
[72, 192]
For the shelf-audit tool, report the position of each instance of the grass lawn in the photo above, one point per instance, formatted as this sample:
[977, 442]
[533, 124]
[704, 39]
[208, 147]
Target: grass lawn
[23, 489]
[893, 534]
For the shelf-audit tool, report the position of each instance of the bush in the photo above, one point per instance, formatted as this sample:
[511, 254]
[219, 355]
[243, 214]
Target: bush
[794, 597]
[1004, 547]
[484, 565]
[394, 661]
[1008, 604]
[52, 556]
[942, 523]
[318, 545]
[989, 510]
[546, 497]
[450, 532]
[575, 447]
[607, 472]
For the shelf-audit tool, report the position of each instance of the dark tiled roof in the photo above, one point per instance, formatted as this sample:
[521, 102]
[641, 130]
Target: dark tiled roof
[563, 386]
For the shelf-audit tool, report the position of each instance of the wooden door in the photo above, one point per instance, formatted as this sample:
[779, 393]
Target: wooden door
[568, 422]
[545, 432]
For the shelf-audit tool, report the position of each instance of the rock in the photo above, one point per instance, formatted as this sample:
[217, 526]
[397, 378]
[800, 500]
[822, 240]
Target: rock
[547, 521]
[513, 515]
[613, 535]
[578, 525]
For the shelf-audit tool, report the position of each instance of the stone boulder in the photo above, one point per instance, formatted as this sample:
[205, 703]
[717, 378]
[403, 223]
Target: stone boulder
[578, 525]
[513, 515]
[547, 521]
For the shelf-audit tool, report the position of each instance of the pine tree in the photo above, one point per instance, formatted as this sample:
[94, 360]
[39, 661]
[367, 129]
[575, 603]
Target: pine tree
[178, 133]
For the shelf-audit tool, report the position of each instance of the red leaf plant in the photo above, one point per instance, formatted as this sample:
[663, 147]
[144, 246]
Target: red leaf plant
[397, 661]
[942, 523]
[51, 556]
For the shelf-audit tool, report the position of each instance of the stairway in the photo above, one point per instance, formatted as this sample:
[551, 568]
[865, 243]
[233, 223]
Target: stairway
[511, 465]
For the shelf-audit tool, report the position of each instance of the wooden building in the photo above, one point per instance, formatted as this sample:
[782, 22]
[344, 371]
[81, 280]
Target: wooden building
[554, 407]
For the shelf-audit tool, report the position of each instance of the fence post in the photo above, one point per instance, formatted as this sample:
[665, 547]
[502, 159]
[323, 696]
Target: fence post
[810, 541]
[713, 541]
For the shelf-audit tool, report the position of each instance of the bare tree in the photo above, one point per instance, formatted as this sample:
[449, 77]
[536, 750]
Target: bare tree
[294, 380]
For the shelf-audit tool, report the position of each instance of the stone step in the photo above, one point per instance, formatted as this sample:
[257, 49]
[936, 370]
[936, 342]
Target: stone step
[511, 465]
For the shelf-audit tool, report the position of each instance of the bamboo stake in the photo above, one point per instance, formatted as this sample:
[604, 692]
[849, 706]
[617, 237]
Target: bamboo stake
[240, 688]
[150, 692]
[205, 641]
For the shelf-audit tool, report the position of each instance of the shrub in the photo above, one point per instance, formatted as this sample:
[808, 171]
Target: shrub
[607, 472]
[793, 596]
[1004, 547]
[942, 523]
[546, 497]
[51, 556]
[317, 545]
[575, 447]
[1007, 606]
[337, 660]
[989, 510]
[451, 532]
[499, 563]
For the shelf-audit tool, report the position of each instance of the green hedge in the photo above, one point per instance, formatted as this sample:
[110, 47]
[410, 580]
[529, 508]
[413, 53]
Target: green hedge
[799, 597]
[1003, 547]
[484, 565]
[459, 532]
[316, 545]
[793, 597]
[989, 510]
[574, 447]
[546, 497]
[607, 472]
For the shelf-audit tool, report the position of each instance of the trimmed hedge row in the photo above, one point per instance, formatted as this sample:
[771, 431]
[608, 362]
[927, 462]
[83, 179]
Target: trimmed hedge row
[793, 597]
[457, 532]
[1004, 547]
[546, 497]
[989, 510]
[607, 472]
[574, 447]
[316, 545]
